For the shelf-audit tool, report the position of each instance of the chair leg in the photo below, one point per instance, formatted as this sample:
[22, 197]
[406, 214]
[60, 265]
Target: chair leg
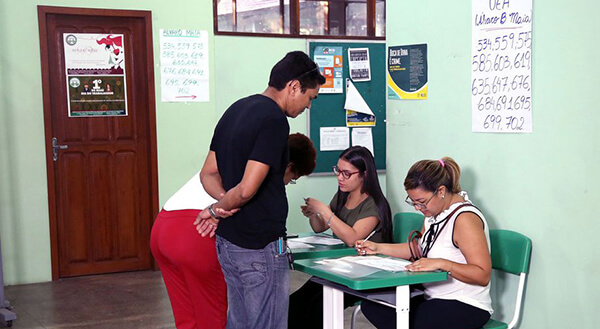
[354, 313]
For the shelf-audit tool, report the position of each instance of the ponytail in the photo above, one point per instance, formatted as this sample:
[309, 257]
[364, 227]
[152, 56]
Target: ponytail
[431, 174]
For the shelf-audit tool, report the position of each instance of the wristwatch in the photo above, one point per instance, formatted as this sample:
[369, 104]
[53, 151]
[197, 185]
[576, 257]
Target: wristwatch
[213, 214]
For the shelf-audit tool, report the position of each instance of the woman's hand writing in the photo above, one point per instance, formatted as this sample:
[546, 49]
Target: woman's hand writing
[366, 247]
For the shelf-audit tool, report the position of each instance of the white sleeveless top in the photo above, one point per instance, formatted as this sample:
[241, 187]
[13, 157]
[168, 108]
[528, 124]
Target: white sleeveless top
[444, 247]
[190, 196]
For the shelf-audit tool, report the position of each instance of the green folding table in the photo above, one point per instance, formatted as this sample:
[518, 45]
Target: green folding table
[335, 284]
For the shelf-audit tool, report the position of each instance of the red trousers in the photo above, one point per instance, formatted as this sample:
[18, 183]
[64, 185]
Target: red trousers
[191, 271]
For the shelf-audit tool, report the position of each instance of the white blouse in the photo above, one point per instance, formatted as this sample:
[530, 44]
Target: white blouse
[444, 247]
[190, 196]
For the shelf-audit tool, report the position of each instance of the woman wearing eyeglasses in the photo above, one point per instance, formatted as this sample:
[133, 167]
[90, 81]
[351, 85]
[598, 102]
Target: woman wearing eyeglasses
[455, 239]
[356, 210]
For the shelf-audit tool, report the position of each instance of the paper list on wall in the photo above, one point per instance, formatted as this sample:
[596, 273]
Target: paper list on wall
[501, 66]
[334, 138]
[363, 137]
[184, 65]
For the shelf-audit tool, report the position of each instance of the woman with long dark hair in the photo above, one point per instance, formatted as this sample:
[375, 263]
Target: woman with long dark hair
[358, 209]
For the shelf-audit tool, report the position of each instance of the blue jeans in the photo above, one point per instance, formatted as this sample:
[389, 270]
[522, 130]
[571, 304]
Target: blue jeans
[258, 285]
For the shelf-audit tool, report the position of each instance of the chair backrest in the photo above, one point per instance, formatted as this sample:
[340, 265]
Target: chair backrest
[511, 251]
[404, 222]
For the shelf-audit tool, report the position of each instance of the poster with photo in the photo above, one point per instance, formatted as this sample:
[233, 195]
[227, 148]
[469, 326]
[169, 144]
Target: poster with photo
[95, 69]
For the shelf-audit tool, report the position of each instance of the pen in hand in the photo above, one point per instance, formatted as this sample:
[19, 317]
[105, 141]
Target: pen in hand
[359, 246]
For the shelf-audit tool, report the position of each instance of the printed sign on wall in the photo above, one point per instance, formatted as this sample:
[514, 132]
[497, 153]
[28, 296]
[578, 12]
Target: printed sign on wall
[331, 63]
[184, 65]
[95, 69]
[407, 72]
[501, 66]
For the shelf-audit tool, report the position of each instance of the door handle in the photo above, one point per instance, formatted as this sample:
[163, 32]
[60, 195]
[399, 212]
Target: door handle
[56, 147]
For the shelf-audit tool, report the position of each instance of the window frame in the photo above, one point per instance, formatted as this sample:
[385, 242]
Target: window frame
[295, 24]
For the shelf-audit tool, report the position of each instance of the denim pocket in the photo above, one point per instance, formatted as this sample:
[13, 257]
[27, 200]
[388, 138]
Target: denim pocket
[251, 265]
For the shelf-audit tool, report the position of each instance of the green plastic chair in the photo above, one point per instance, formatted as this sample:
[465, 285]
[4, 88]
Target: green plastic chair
[403, 224]
[511, 252]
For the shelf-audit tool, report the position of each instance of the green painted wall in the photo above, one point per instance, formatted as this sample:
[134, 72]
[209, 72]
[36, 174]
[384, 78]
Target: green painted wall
[183, 130]
[539, 184]
[238, 67]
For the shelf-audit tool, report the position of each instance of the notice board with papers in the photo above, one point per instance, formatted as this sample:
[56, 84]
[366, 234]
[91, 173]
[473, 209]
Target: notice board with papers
[328, 109]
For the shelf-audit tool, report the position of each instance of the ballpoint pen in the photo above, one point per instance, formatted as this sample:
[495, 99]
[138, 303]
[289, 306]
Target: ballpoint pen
[369, 236]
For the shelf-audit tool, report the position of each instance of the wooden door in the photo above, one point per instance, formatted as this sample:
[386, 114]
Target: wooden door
[103, 190]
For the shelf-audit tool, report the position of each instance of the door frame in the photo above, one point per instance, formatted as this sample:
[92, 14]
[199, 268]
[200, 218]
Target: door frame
[43, 11]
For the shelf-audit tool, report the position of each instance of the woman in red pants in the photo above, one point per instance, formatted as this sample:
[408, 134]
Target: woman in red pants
[188, 261]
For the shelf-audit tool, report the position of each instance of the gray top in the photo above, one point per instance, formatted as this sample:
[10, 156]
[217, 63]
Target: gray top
[366, 208]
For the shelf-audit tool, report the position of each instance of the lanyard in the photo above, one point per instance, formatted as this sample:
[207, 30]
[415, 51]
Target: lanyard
[432, 234]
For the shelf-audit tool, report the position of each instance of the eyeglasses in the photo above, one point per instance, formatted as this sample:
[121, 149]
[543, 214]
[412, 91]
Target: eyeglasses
[316, 68]
[345, 173]
[420, 205]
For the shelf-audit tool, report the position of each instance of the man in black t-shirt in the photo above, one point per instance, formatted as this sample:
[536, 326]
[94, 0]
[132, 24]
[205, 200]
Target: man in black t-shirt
[244, 171]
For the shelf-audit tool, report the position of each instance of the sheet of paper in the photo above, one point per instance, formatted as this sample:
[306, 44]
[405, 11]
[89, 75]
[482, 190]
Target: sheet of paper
[348, 269]
[184, 65]
[363, 137]
[358, 112]
[298, 245]
[334, 138]
[317, 240]
[386, 264]
[354, 100]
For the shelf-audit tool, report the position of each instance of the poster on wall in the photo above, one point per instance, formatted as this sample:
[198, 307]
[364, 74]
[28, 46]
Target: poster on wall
[184, 65]
[359, 64]
[407, 72]
[331, 63]
[501, 66]
[95, 74]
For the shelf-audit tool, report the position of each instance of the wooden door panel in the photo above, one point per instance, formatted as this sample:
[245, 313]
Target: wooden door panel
[104, 184]
[73, 227]
[101, 204]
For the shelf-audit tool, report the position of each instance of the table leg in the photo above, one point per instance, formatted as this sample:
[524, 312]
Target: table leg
[333, 308]
[402, 306]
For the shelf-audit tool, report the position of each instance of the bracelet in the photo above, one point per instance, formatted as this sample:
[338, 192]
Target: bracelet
[329, 220]
[212, 213]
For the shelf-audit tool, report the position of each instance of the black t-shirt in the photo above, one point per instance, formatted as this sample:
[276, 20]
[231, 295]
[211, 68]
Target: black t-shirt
[254, 128]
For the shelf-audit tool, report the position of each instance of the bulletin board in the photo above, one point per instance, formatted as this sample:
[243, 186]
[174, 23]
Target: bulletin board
[328, 109]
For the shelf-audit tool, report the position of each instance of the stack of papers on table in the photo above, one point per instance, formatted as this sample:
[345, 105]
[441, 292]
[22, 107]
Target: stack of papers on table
[382, 263]
[298, 245]
[317, 239]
